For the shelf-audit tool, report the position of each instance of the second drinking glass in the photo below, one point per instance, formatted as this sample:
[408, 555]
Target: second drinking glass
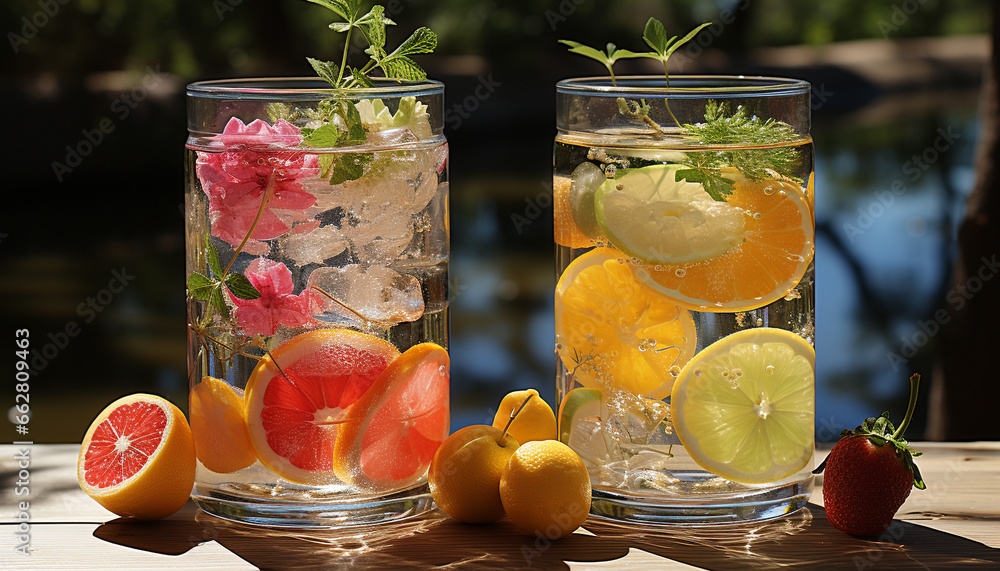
[684, 305]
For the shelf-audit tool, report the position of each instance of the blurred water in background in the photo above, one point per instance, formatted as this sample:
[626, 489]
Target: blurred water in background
[62, 241]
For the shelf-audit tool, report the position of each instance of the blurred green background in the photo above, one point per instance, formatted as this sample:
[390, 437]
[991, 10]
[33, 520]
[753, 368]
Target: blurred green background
[886, 76]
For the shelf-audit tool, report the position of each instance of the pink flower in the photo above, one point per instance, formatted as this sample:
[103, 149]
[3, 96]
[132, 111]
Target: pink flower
[276, 304]
[256, 166]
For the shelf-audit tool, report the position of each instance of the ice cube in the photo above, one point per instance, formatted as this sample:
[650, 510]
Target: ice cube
[397, 136]
[629, 419]
[375, 293]
[314, 246]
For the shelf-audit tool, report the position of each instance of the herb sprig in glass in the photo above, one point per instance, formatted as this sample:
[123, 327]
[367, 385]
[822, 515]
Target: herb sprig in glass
[722, 127]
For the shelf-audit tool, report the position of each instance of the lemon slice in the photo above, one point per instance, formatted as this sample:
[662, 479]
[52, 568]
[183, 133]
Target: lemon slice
[649, 214]
[613, 329]
[744, 407]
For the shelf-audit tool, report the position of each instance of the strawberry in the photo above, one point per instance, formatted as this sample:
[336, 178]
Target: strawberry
[869, 473]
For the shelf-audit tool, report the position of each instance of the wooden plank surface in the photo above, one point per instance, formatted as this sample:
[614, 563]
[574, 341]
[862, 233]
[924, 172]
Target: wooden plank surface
[955, 523]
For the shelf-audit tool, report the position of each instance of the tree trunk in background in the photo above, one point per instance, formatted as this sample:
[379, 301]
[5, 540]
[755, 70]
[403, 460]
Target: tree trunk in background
[965, 394]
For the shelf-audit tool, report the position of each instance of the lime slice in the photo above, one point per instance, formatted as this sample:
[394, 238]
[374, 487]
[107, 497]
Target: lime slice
[647, 213]
[744, 406]
[578, 404]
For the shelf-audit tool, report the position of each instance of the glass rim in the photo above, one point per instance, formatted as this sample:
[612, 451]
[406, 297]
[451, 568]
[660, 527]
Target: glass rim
[307, 88]
[685, 86]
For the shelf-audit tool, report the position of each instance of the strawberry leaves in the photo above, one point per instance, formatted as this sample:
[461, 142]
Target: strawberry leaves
[879, 431]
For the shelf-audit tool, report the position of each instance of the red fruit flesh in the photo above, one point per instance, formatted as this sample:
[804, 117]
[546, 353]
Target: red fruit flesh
[864, 485]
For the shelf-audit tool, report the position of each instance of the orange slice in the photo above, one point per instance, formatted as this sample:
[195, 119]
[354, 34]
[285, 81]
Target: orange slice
[565, 230]
[612, 328]
[293, 413]
[397, 426]
[774, 254]
[137, 458]
[219, 427]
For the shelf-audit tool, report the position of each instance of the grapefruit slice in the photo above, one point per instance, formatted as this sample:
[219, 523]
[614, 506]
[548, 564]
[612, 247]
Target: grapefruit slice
[137, 458]
[293, 413]
[219, 427]
[397, 426]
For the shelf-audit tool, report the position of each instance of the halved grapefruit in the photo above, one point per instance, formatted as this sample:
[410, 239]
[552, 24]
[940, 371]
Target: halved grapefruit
[293, 413]
[396, 427]
[137, 458]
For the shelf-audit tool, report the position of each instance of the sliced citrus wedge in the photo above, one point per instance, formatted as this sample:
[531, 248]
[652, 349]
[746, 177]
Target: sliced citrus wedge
[612, 328]
[293, 413]
[394, 430]
[219, 427]
[565, 230]
[137, 458]
[649, 214]
[578, 404]
[772, 254]
[744, 406]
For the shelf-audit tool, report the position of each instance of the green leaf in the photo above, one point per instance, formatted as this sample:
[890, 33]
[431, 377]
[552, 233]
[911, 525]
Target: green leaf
[358, 76]
[240, 286]
[200, 286]
[655, 35]
[341, 27]
[578, 48]
[716, 185]
[326, 161]
[686, 38]
[349, 166]
[421, 41]
[373, 25]
[218, 302]
[213, 256]
[340, 7]
[278, 110]
[402, 68]
[327, 70]
[324, 136]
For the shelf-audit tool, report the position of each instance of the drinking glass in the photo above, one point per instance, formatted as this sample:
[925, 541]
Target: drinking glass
[684, 233]
[317, 298]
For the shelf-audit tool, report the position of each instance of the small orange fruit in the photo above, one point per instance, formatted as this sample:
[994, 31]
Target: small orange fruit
[137, 458]
[545, 489]
[536, 421]
[464, 477]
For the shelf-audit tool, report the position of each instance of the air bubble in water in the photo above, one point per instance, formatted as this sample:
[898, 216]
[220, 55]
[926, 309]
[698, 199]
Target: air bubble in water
[675, 371]
[768, 190]
[737, 373]
[658, 268]
[679, 272]
[697, 373]
[756, 215]
[769, 369]
[443, 371]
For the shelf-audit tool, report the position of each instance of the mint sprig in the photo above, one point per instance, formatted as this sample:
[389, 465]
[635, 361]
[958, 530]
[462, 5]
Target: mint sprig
[607, 59]
[396, 65]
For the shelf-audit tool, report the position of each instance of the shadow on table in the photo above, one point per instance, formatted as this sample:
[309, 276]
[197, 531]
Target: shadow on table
[805, 540]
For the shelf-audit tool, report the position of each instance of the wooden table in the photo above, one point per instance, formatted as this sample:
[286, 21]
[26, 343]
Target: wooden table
[955, 523]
